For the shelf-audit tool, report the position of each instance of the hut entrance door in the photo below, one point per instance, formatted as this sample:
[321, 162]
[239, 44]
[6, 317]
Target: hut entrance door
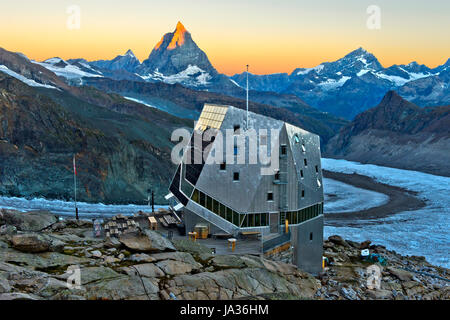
[274, 222]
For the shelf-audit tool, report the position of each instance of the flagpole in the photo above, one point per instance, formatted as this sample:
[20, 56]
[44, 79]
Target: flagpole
[75, 184]
[246, 123]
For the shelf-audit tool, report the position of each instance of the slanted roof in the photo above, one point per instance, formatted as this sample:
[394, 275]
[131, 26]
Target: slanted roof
[211, 117]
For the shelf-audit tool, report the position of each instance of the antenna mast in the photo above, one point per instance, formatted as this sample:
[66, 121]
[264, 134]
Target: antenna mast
[246, 122]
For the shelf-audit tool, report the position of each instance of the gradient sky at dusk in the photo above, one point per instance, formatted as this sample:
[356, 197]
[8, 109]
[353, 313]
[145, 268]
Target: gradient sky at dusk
[272, 36]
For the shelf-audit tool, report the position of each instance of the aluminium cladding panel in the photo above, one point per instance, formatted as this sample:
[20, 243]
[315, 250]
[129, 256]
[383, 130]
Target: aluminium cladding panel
[212, 218]
[175, 187]
[191, 219]
[239, 195]
[266, 185]
[306, 147]
[308, 253]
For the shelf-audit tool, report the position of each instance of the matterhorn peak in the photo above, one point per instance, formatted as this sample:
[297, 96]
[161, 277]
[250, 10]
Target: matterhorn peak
[178, 37]
[180, 28]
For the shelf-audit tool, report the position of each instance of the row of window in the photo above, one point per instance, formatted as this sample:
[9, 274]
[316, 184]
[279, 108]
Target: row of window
[299, 216]
[252, 219]
[217, 207]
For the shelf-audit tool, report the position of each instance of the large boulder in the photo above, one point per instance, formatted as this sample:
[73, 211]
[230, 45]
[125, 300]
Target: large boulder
[124, 288]
[30, 243]
[35, 242]
[92, 274]
[148, 270]
[193, 247]
[174, 267]
[43, 260]
[27, 221]
[402, 275]
[239, 283]
[4, 285]
[18, 296]
[338, 240]
[147, 241]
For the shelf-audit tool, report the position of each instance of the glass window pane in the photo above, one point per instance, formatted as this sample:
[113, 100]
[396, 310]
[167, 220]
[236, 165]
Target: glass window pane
[251, 220]
[229, 215]
[215, 206]
[202, 199]
[257, 220]
[209, 203]
[222, 210]
[264, 219]
[195, 196]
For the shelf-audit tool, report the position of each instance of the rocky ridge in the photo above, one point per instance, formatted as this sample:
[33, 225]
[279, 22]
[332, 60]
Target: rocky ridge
[146, 265]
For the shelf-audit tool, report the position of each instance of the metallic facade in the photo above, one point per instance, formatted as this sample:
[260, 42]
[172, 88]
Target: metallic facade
[295, 186]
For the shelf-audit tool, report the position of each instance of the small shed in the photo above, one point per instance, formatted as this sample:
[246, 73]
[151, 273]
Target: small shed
[152, 223]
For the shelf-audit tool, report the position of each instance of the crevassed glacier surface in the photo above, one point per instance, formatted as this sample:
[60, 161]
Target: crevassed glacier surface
[421, 232]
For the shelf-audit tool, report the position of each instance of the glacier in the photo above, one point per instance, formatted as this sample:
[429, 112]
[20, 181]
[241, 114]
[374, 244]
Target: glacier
[66, 209]
[422, 232]
[25, 80]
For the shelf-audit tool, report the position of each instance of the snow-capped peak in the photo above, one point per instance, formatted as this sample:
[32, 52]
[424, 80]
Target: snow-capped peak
[130, 54]
[54, 60]
[178, 37]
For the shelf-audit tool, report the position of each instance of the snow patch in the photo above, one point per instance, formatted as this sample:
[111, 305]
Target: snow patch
[25, 80]
[69, 71]
[182, 77]
[333, 84]
[308, 70]
[362, 72]
[235, 83]
[140, 101]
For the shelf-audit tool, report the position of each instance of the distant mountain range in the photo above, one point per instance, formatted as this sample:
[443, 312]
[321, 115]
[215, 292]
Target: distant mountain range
[345, 87]
[356, 82]
[122, 142]
[397, 133]
[117, 115]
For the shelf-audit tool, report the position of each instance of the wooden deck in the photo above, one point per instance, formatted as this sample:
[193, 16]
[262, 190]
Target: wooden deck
[247, 246]
[251, 245]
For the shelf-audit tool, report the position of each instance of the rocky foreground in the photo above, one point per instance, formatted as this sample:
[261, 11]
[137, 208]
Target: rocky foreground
[40, 257]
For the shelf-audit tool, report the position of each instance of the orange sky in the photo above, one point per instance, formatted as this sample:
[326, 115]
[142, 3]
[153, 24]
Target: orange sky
[272, 36]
